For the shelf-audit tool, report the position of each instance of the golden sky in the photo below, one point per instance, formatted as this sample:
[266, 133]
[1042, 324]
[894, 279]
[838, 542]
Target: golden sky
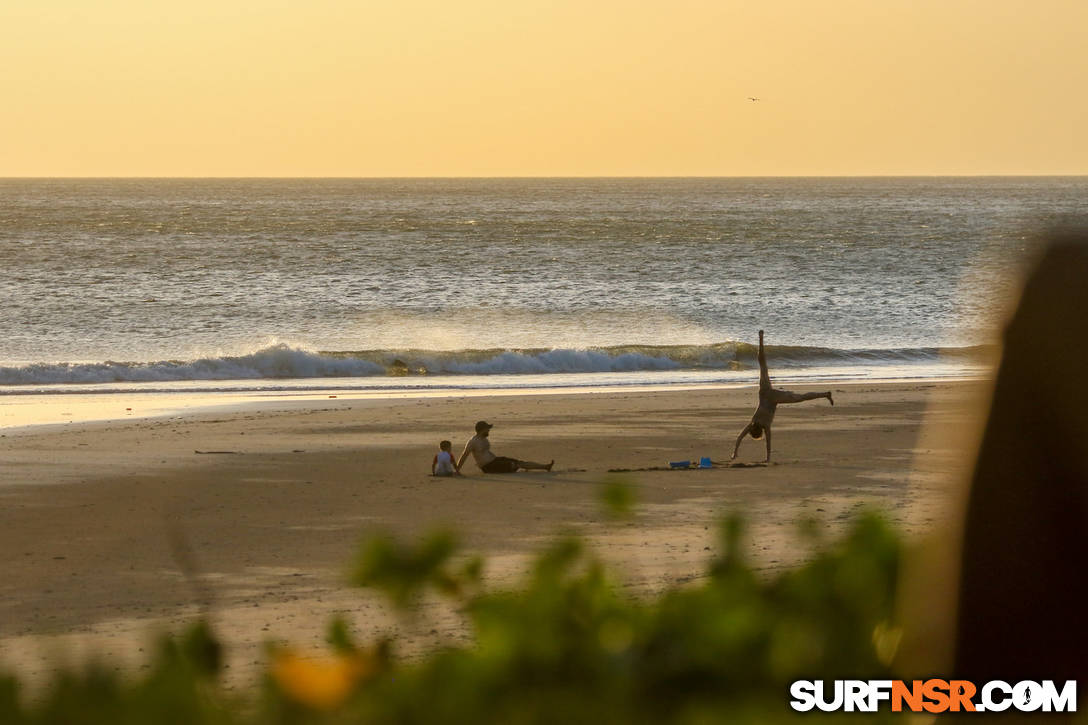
[542, 87]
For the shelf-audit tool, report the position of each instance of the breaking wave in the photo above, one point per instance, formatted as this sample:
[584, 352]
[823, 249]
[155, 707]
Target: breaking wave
[283, 361]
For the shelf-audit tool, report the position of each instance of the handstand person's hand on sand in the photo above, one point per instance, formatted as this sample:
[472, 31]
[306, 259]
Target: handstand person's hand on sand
[480, 448]
[769, 400]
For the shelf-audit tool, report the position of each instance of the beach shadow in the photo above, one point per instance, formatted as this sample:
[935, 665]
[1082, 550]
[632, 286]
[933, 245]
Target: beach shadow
[716, 465]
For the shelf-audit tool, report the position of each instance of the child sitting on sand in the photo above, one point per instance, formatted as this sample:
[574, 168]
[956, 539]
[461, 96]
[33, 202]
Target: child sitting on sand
[443, 464]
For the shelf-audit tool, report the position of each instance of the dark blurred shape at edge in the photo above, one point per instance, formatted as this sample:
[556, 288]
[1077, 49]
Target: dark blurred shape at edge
[1023, 598]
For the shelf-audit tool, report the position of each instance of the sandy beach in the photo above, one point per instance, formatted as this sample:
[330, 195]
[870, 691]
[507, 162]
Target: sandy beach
[266, 507]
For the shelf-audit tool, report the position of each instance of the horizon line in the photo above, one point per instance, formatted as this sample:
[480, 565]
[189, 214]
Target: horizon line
[527, 176]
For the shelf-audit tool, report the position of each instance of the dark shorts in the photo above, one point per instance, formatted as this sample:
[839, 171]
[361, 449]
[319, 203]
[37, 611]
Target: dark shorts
[501, 464]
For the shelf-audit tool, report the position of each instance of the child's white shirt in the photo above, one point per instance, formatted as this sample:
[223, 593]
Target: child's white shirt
[444, 464]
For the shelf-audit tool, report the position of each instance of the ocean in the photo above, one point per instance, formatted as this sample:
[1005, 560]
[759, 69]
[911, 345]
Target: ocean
[121, 285]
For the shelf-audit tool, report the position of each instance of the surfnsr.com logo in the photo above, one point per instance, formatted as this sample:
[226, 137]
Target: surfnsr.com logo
[933, 696]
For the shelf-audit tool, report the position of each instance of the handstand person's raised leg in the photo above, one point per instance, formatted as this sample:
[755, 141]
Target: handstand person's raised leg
[786, 397]
[764, 375]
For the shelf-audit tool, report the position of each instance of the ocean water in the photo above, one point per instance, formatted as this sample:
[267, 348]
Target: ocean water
[110, 285]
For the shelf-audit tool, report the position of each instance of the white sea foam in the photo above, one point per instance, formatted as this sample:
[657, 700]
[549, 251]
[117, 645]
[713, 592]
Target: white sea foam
[278, 361]
[552, 361]
[284, 362]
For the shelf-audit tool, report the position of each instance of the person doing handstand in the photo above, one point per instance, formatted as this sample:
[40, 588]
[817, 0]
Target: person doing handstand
[769, 399]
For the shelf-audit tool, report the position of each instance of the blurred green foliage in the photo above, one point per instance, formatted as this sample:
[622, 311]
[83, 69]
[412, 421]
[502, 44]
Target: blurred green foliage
[567, 646]
[618, 497]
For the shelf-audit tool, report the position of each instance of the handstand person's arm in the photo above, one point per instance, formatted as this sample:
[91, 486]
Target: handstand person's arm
[767, 432]
[740, 437]
[764, 376]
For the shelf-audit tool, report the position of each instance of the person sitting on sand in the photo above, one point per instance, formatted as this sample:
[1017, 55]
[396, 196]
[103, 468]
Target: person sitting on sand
[443, 464]
[480, 448]
[769, 399]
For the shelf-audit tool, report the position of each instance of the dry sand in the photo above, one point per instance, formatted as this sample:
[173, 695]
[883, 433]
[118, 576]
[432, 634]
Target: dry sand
[91, 514]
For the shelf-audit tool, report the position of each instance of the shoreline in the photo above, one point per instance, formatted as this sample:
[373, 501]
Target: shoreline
[91, 510]
[25, 410]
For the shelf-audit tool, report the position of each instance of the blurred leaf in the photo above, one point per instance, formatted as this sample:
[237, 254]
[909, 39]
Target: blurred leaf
[339, 637]
[200, 647]
[618, 496]
[402, 571]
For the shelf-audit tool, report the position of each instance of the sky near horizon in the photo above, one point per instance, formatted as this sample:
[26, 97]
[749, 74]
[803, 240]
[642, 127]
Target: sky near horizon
[543, 87]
